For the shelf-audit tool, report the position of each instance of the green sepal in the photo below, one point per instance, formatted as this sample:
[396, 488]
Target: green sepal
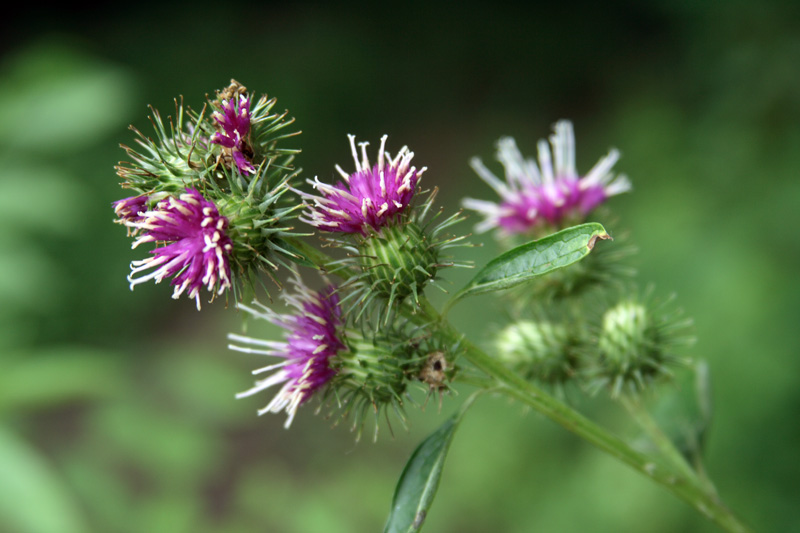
[294, 254]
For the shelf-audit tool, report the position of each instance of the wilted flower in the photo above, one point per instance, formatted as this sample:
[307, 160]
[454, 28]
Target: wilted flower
[534, 196]
[197, 247]
[314, 337]
[370, 197]
[235, 124]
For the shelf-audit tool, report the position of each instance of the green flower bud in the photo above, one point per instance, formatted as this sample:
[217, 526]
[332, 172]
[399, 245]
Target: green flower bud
[538, 350]
[371, 375]
[375, 369]
[635, 345]
[398, 260]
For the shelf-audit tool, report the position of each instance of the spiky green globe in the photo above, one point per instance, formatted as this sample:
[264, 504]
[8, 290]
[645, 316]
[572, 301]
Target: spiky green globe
[632, 347]
[398, 260]
[375, 369]
[539, 350]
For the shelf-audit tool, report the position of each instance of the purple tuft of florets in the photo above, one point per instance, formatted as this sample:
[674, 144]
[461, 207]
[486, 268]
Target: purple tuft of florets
[534, 196]
[130, 210]
[370, 197]
[313, 339]
[197, 247]
[235, 124]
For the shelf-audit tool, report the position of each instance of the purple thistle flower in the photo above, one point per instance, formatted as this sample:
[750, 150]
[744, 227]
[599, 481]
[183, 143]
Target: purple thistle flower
[129, 210]
[533, 196]
[313, 339]
[235, 124]
[197, 248]
[370, 197]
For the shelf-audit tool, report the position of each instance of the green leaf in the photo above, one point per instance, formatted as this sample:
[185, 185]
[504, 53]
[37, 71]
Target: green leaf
[685, 414]
[72, 98]
[33, 498]
[417, 486]
[534, 259]
[57, 376]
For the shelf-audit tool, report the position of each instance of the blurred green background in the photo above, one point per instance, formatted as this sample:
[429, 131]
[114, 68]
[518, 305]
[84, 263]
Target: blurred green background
[116, 407]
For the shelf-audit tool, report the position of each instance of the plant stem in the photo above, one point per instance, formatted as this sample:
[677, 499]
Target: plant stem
[642, 417]
[688, 488]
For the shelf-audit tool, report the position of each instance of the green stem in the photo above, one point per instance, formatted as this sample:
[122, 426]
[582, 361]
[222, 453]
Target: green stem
[688, 488]
[642, 417]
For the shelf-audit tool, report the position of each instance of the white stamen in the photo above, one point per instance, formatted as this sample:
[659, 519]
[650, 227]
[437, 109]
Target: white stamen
[353, 150]
[364, 160]
[545, 163]
[381, 153]
[486, 175]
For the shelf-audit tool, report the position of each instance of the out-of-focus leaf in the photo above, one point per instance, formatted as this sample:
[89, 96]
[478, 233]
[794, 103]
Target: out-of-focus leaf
[29, 279]
[417, 486]
[685, 414]
[54, 98]
[534, 259]
[40, 380]
[36, 197]
[176, 451]
[32, 497]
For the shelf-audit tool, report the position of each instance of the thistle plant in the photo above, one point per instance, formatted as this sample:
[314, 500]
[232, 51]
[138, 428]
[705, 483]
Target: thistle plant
[218, 197]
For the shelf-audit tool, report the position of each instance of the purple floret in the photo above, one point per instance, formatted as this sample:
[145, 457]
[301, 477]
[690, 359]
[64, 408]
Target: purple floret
[533, 196]
[235, 124]
[313, 339]
[129, 210]
[197, 247]
[369, 198]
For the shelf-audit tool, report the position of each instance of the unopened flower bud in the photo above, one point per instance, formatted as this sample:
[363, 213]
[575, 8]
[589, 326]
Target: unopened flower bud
[398, 261]
[635, 345]
[539, 350]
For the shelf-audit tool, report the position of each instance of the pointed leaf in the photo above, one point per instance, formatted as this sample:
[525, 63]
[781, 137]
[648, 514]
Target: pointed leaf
[420, 479]
[534, 259]
[685, 414]
[33, 498]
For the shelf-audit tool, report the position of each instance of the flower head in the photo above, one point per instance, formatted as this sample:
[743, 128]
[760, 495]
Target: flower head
[370, 197]
[314, 337]
[534, 196]
[197, 247]
[235, 124]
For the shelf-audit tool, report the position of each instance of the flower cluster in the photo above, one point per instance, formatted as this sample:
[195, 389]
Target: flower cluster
[212, 194]
[209, 195]
[550, 195]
